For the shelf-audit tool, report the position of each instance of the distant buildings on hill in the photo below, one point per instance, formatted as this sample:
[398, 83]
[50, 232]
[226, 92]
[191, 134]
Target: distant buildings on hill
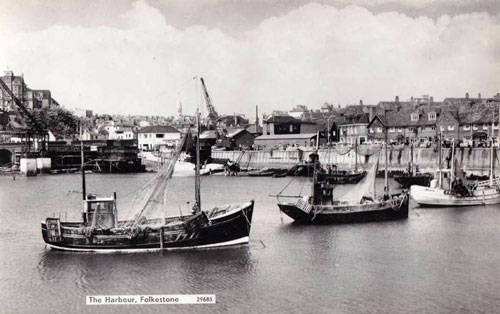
[30, 98]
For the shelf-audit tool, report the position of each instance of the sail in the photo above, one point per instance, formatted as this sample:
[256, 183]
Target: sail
[364, 189]
[149, 201]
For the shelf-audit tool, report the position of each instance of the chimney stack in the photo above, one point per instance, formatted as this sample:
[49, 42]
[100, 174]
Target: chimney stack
[397, 99]
[466, 95]
[372, 113]
[411, 99]
[361, 102]
[256, 119]
[479, 96]
[431, 100]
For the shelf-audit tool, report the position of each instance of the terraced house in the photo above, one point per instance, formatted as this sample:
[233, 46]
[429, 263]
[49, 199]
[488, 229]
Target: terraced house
[406, 122]
[466, 121]
[471, 121]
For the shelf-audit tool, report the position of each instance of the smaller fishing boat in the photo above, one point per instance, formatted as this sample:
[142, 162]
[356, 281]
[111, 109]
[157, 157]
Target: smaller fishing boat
[360, 204]
[264, 172]
[411, 177]
[335, 176]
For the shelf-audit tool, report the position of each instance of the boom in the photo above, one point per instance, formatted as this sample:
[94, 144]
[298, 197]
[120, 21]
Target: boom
[212, 114]
[38, 128]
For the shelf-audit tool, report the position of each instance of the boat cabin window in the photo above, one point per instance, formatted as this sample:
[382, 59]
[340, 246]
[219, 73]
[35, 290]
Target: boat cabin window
[103, 206]
[100, 214]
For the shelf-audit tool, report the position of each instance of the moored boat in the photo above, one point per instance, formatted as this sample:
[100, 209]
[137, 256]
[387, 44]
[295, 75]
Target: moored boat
[411, 177]
[101, 231]
[360, 204]
[458, 193]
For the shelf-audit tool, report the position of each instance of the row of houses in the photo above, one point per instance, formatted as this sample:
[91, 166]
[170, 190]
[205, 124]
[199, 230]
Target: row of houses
[418, 120]
[463, 120]
[469, 121]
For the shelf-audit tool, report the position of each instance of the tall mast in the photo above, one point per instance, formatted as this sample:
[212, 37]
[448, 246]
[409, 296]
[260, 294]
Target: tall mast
[492, 153]
[386, 164]
[411, 159]
[316, 157]
[498, 133]
[82, 166]
[356, 154]
[491, 160]
[197, 176]
[452, 174]
[439, 159]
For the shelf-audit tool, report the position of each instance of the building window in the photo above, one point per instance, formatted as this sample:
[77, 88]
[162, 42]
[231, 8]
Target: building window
[441, 128]
[160, 135]
[379, 130]
[467, 127]
[451, 127]
[400, 130]
[414, 116]
[291, 128]
[355, 130]
[485, 127]
[433, 128]
[392, 130]
[432, 115]
[372, 130]
[475, 127]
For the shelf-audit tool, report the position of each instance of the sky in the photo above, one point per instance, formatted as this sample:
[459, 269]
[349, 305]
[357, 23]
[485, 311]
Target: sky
[140, 56]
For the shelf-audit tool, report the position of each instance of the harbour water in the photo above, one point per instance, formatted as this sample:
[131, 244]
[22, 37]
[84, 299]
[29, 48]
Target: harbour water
[443, 260]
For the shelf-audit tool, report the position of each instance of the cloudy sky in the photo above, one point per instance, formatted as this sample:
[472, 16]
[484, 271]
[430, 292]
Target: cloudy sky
[140, 56]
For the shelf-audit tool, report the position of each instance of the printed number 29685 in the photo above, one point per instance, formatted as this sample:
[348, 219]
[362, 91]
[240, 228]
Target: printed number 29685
[204, 299]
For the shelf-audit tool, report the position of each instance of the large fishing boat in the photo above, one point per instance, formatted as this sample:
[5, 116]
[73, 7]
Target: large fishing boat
[360, 204]
[101, 231]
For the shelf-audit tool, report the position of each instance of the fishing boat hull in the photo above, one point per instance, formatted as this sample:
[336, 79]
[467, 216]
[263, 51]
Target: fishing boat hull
[339, 214]
[405, 181]
[345, 178]
[232, 228]
[426, 196]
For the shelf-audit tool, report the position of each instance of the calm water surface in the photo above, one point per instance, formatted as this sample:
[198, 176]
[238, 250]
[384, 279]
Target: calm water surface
[437, 261]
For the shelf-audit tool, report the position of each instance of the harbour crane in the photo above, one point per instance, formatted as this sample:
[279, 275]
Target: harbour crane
[213, 116]
[213, 121]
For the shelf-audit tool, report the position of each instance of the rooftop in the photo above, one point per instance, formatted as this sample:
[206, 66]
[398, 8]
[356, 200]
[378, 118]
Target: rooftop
[287, 136]
[159, 129]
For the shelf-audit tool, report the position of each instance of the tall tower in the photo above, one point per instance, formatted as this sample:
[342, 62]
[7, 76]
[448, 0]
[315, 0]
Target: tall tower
[179, 108]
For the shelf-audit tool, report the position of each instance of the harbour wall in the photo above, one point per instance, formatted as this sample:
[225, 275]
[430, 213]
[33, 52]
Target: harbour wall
[475, 160]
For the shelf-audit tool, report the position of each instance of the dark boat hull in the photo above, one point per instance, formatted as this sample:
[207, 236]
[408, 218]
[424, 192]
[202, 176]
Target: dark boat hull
[345, 178]
[227, 230]
[406, 180]
[384, 213]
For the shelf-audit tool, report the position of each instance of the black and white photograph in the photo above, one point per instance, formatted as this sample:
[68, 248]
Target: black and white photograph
[250, 156]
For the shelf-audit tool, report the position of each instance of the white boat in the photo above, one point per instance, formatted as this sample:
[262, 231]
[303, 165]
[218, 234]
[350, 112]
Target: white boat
[458, 194]
[481, 193]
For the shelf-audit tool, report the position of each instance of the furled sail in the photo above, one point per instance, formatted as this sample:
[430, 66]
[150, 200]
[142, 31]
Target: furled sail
[364, 190]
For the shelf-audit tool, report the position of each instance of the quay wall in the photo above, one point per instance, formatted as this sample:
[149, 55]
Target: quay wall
[471, 159]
